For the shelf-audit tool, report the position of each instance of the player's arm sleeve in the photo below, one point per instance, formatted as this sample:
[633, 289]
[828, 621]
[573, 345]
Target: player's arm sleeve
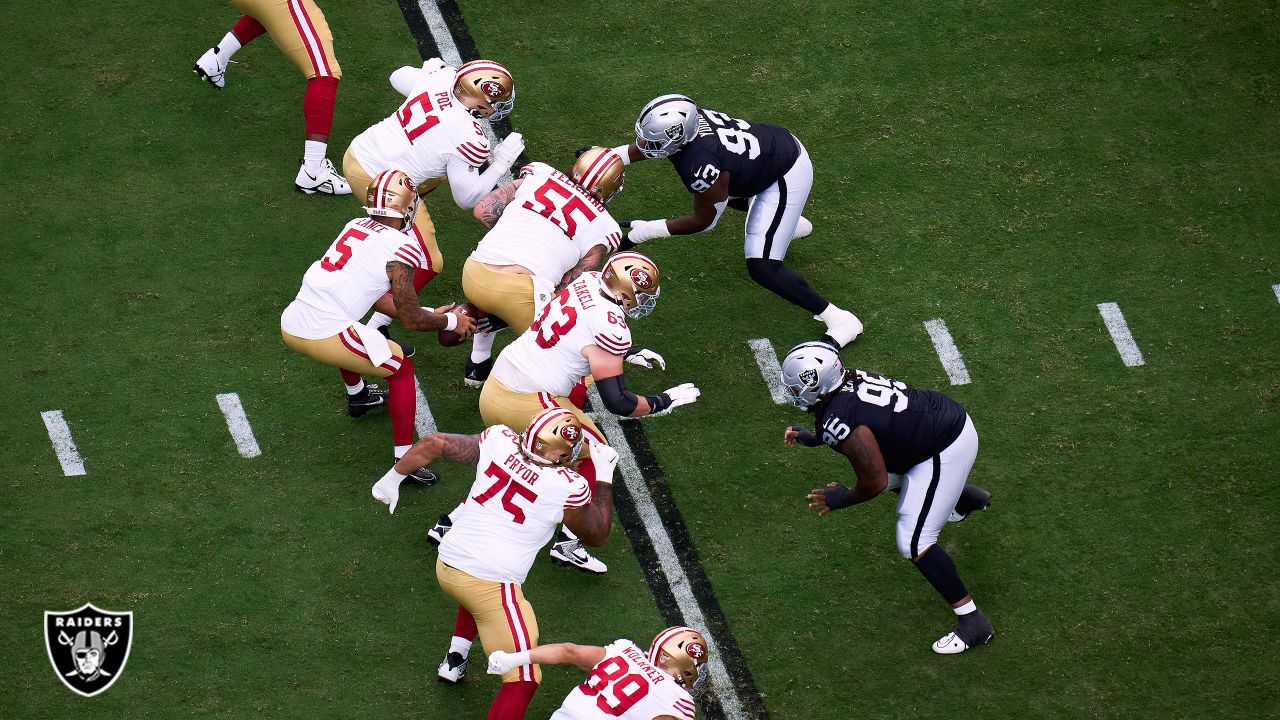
[410, 254]
[467, 184]
[405, 78]
[579, 494]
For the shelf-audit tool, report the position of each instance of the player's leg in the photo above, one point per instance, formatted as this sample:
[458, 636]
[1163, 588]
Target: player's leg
[520, 684]
[212, 65]
[357, 176]
[424, 231]
[507, 295]
[772, 217]
[566, 549]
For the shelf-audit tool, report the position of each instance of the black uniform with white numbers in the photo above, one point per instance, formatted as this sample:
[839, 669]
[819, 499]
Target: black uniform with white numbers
[755, 154]
[911, 425]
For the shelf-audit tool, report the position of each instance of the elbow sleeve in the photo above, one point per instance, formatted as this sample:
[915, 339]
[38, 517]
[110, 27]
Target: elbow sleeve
[617, 398]
[468, 186]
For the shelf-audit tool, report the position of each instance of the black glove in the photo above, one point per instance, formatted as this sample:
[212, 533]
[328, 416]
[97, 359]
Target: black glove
[806, 438]
[490, 323]
[838, 497]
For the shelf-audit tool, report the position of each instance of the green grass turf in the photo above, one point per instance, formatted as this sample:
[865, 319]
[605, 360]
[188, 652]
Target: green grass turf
[1003, 166]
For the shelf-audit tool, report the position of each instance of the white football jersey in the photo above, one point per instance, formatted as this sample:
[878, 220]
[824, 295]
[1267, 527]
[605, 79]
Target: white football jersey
[511, 512]
[341, 287]
[549, 226]
[548, 356]
[626, 685]
[422, 133]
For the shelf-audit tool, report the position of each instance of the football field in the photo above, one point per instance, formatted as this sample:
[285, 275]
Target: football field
[1062, 214]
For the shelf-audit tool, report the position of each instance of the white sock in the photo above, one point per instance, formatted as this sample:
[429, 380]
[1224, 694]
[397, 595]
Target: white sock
[462, 646]
[313, 154]
[355, 389]
[966, 608]
[481, 347]
[401, 450]
[379, 320]
[229, 45]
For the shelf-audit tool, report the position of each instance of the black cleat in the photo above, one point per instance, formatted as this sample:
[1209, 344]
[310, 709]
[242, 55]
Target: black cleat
[436, 534]
[452, 668]
[422, 476]
[367, 399]
[972, 629]
[972, 499]
[477, 373]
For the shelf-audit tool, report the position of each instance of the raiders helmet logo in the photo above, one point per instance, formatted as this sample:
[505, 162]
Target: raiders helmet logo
[696, 651]
[88, 647]
[641, 278]
[570, 433]
[809, 378]
[491, 88]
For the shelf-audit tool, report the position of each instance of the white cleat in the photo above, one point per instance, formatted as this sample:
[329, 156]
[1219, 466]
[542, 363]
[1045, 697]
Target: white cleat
[212, 68]
[452, 668]
[804, 228]
[568, 552]
[387, 490]
[950, 644]
[326, 180]
[972, 629]
[844, 328]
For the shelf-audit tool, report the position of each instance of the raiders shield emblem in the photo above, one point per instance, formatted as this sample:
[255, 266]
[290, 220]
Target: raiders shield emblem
[88, 647]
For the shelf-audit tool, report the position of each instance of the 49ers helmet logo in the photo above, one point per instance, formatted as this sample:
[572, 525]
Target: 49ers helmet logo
[642, 279]
[570, 433]
[492, 88]
[88, 647]
[696, 651]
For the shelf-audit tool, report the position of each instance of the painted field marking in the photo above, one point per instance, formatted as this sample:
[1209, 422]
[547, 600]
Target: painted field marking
[767, 359]
[721, 683]
[63, 445]
[1276, 290]
[948, 353]
[1120, 334]
[238, 424]
[423, 420]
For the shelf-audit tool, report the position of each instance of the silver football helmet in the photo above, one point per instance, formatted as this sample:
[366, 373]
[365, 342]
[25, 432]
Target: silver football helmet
[667, 123]
[811, 371]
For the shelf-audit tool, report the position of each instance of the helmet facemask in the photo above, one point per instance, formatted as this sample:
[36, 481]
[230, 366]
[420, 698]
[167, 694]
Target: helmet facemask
[682, 652]
[632, 280]
[486, 89]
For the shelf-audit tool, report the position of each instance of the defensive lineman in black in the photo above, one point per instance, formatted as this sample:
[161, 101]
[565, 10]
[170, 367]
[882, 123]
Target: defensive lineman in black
[919, 443]
[760, 168]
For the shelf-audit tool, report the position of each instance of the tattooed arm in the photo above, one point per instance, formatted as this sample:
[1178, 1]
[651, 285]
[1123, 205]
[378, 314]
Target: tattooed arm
[489, 209]
[863, 453]
[591, 523]
[464, 449]
[411, 314]
[590, 261]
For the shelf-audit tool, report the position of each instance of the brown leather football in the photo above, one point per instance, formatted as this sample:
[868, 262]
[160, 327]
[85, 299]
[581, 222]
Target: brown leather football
[449, 338]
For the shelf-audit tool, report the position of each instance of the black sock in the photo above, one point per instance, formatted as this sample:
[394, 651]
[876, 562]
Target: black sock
[936, 566]
[786, 284]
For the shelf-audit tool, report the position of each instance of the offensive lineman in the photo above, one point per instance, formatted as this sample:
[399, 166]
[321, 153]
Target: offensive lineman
[750, 166]
[885, 426]
[370, 255]
[545, 229]
[299, 29]
[434, 135]
[624, 681]
[525, 485]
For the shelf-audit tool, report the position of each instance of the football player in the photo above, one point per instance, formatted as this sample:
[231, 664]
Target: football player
[434, 135]
[751, 166]
[545, 229]
[299, 29]
[922, 437]
[370, 255]
[526, 483]
[581, 331]
[624, 682]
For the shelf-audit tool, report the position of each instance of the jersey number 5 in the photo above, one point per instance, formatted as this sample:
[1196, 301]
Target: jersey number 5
[560, 216]
[627, 691]
[549, 333]
[343, 249]
[508, 498]
[414, 128]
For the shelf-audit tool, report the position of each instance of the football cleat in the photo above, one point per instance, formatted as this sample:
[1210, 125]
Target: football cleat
[804, 228]
[212, 68]
[972, 499]
[843, 328]
[367, 399]
[568, 552]
[326, 181]
[452, 668]
[972, 629]
[422, 476]
[477, 373]
[436, 534]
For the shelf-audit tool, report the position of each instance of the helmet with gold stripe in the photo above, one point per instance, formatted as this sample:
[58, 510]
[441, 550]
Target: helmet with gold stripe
[599, 171]
[391, 195]
[553, 438]
[486, 88]
[682, 652]
[632, 280]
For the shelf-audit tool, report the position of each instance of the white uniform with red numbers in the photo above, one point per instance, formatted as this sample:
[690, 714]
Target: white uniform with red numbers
[511, 512]
[626, 685]
[341, 287]
[549, 225]
[548, 356]
[424, 133]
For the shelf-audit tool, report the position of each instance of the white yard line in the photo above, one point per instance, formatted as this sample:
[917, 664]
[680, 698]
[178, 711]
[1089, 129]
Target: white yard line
[63, 445]
[767, 359]
[423, 420]
[238, 424]
[721, 683]
[1276, 290]
[1120, 334]
[948, 353]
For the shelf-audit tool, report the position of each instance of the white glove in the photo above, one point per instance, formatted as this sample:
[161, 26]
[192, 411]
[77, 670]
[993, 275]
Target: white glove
[646, 358]
[682, 395]
[501, 662]
[435, 64]
[605, 459]
[642, 230]
[507, 151]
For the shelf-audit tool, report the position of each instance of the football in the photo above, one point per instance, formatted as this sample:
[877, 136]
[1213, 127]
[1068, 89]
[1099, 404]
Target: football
[449, 338]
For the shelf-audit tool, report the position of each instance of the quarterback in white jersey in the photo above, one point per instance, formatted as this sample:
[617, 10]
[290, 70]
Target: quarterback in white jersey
[545, 229]
[371, 256]
[624, 681]
[525, 484]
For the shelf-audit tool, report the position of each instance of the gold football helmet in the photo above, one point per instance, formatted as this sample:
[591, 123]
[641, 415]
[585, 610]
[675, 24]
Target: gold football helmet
[486, 88]
[553, 438]
[632, 280]
[391, 194]
[599, 172]
[682, 652]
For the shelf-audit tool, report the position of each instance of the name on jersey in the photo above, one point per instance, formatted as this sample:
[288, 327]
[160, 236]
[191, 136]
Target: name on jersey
[371, 224]
[641, 663]
[442, 100]
[520, 470]
[583, 293]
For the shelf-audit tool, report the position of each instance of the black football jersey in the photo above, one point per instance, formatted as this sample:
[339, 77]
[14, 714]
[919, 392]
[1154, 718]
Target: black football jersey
[756, 155]
[911, 425]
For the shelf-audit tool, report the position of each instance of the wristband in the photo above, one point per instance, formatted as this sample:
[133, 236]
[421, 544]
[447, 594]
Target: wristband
[624, 151]
[806, 438]
[520, 658]
[451, 323]
[658, 403]
[838, 497]
[631, 351]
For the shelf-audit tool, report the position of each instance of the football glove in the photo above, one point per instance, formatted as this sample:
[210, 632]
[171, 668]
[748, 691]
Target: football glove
[605, 459]
[435, 64]
[645, 358]
[682, 395]
[507, 151]
[501, 662]
[641, 230]
[490, 324]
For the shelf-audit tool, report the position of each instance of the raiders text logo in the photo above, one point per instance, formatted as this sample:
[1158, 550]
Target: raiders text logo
[88, 647]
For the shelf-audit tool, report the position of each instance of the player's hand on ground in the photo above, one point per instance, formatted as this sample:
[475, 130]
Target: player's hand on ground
[804, 436]
[789, 436]
[818, 497]
[683, 395]
[501, 662]
[645, 358]
[434, 64]
[508, 150]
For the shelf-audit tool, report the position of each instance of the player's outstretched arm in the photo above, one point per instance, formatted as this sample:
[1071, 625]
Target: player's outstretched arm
[414, 316]
[863, 453]
[489, 209]
[584, 657]
[464, 449]
[592, 260]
